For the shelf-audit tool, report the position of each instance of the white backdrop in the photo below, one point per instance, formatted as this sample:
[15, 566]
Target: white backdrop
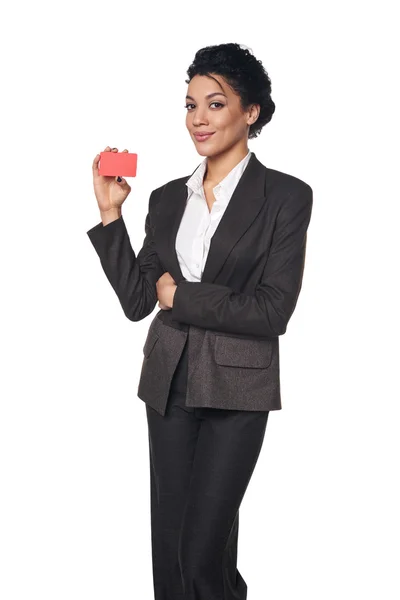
[74, 470]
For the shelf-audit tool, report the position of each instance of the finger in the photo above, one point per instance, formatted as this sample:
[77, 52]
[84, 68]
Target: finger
[123, 182]
[114, 149]
[95, 164]
[124, 150]
[107, 149]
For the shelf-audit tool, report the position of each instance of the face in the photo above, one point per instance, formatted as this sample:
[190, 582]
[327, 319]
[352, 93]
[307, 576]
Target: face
[213, 106]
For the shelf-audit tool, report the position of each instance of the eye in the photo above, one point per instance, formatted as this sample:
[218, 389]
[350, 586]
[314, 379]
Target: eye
[187, 105]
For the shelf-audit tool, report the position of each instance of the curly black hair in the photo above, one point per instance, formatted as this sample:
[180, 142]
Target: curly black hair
[243, 73]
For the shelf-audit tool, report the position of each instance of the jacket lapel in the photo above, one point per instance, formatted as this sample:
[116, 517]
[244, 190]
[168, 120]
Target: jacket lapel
[244, 206]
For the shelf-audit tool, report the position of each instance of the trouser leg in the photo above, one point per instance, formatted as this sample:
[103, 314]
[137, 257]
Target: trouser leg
[172, 442]
[227, 449]
[201, 462]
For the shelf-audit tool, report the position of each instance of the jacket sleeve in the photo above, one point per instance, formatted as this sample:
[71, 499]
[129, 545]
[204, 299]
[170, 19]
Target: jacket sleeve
[265, 313]
[132, 277]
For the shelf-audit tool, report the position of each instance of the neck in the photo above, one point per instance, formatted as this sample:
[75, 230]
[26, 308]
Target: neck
[220, 165]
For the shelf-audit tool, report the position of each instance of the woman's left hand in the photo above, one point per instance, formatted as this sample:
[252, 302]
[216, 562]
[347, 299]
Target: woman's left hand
[165, 291]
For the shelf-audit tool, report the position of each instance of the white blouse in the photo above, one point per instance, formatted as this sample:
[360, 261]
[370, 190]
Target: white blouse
[198, 224]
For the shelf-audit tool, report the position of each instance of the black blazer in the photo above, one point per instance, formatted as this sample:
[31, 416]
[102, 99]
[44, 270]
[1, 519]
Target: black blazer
[233, 318]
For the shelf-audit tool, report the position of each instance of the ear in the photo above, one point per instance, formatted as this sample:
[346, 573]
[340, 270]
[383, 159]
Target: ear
[255, 112]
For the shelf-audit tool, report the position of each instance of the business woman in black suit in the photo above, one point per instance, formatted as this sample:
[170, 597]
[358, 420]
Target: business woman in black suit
[223, 256]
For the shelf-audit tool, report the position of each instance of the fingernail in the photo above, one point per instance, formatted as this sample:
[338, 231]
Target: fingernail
[119, 178]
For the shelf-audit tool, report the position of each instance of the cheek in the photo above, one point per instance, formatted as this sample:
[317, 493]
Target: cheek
[225, 120]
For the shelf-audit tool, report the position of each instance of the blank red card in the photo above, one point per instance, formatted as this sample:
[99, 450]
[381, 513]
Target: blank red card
[118, 163]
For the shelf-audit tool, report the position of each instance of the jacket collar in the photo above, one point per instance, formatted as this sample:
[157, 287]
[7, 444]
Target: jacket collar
[195, 181]
[246, 202]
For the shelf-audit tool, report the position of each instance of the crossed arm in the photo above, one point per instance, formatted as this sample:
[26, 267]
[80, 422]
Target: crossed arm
[266, 313]
[268, 310]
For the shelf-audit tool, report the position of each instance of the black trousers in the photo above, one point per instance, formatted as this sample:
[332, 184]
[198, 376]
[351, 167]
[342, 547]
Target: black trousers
[201, 461]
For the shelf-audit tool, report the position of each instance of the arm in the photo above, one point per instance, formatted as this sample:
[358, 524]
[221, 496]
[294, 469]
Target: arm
[267, 312]
[132, 277]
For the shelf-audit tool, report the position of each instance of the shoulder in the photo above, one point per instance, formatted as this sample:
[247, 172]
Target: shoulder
[158, 192]
[174, 182]
[287, 183]
[288, 191]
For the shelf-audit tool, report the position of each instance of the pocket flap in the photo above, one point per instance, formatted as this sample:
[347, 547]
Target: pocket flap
[239, 352]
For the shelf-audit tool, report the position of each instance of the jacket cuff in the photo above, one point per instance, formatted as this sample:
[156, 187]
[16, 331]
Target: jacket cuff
[100, 231]
[178, 311]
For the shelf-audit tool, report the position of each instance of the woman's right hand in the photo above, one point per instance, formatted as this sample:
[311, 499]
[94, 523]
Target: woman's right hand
[109, 192]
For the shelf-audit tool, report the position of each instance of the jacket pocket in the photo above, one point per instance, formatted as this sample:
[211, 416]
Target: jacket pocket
[238, 352]
[149, 344]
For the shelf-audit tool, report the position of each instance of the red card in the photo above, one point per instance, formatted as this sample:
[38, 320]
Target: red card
[118, 163]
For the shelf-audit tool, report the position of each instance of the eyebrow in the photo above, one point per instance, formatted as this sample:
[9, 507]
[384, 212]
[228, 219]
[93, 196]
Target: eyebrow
[210, 95]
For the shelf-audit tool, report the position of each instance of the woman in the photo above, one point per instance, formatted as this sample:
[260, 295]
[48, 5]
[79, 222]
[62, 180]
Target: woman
[223, 256]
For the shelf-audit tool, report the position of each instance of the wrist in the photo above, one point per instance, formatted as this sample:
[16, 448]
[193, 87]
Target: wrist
[172, 296]
[107, 216]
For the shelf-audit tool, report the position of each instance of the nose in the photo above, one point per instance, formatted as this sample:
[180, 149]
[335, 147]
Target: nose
[199, 116]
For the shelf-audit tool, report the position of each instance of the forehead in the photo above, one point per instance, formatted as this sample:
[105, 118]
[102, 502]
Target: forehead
[203, 86]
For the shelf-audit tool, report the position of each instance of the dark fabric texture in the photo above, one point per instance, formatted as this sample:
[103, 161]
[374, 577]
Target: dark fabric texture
[227, 325]
[201, 462]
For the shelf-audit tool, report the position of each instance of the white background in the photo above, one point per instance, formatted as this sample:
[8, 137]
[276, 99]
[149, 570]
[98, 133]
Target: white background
[320, 518]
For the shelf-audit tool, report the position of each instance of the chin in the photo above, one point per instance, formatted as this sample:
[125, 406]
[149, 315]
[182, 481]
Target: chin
[203, 151]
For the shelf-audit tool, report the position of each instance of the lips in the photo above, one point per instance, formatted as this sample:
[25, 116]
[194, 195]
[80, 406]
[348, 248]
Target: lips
[203, 136]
